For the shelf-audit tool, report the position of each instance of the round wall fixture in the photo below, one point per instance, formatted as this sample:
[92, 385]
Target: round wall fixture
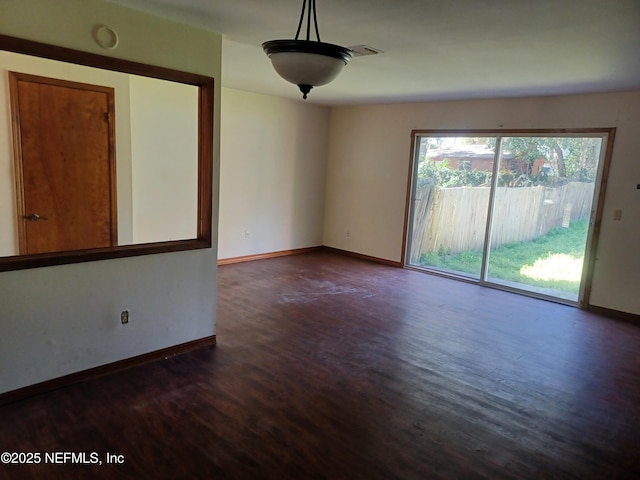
[106, 37]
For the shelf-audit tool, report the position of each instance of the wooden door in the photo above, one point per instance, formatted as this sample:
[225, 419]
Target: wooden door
[65, 164]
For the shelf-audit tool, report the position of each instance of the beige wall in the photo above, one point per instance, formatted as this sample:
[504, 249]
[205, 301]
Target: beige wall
[164, 175]
[368, 166]
[59, 320]
[272, 174]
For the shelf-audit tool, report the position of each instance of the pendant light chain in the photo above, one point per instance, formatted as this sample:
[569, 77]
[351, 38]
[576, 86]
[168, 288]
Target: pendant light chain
[310, 8]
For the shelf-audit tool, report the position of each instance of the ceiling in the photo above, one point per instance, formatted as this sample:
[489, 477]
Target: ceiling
[432, 49]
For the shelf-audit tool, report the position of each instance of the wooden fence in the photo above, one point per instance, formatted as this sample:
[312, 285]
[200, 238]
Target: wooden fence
[453, 220]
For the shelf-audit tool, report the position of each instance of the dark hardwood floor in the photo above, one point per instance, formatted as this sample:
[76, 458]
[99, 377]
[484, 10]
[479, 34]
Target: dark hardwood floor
[329, 367]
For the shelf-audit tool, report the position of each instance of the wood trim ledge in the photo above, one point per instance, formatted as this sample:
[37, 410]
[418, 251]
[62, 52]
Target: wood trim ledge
[607, 312]
[362, 256]
[90, 374]
[263, 256]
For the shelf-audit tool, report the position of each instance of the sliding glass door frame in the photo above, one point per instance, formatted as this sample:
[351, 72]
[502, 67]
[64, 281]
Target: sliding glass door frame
[606, 134]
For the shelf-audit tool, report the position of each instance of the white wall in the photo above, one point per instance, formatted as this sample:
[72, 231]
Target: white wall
[164, 146]
[8, 221]
[368, 166]
[272, 174]
[59, 320]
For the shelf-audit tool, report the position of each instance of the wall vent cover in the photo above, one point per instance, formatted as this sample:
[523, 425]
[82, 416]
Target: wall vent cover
[364, 50]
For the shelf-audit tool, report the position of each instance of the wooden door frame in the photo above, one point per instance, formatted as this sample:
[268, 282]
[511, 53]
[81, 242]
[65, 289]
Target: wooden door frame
[14, 78]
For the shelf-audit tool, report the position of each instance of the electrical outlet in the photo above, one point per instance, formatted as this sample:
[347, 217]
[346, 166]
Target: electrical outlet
[348, 233]
[617, 215]
[246, 234]
[124, 317]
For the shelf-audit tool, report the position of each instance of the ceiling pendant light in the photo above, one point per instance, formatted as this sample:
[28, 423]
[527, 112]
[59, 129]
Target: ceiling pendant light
[307, 63]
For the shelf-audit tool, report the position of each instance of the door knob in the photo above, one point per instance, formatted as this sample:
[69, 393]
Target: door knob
[34, 217]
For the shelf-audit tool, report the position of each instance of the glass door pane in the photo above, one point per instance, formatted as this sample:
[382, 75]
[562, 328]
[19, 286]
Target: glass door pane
[451, 190]
[541, 212]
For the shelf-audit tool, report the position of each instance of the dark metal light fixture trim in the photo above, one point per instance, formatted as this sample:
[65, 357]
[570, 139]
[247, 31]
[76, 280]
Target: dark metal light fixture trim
[307, 46]
[307, 63]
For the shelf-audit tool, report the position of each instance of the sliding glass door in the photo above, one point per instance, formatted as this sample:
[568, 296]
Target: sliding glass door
[452, 186]
[511, 211]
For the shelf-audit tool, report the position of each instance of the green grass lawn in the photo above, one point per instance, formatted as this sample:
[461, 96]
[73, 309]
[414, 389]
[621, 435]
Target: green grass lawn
[552, 261]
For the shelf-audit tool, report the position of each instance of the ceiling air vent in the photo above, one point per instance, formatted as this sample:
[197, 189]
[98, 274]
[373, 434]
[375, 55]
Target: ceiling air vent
[363, 50]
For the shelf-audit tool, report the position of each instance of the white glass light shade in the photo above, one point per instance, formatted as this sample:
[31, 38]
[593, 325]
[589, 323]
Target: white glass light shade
[306, 68]
[305, 63]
